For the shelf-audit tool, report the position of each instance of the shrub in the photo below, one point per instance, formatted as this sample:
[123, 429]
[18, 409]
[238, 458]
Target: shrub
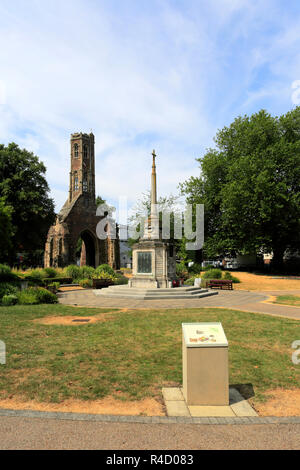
[207, 268]
[232, 278]
[126, 270]
[86, 272]
[9, 300]
[37, 274]
[6, 274]
[104, 275]
[120, 279]
[36, 295]
[49, 272]
[53, 287]
[204, 282]
[212, 274]
[33, 280]
[44, 296]
[181, 270]
[105, 268]
[73, 271]
[7, 289]
[5, 271]
[195, 269]
[86, 283]
[26, 297]
[190, 281]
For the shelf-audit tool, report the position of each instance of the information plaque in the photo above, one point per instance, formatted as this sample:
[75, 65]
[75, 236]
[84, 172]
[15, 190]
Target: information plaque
[205, 364]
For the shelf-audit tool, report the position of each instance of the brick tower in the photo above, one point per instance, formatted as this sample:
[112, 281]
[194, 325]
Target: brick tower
[77, 218]
[82, 174]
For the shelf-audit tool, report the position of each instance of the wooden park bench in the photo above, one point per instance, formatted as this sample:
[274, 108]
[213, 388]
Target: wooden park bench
[220, 284]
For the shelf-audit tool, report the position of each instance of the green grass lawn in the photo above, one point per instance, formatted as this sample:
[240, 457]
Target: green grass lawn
[288, 300]
[131, 355]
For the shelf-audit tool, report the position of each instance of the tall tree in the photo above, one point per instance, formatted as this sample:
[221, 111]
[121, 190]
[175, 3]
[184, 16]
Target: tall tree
[26, 191]
[6, 230]
[250, 186]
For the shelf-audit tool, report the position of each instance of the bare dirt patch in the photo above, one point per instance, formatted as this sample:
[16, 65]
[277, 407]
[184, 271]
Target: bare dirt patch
[108, 405]
[281, 403]
[76, 319]
[250, 281]
[70, 320]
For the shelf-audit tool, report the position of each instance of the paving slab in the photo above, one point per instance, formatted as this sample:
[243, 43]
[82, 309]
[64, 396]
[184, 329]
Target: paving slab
[172, 393]
[177, 408]
[211, 411]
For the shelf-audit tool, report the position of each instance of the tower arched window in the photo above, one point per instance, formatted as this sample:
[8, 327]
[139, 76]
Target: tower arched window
[85, 184]
[85, 151]
[76, 152]
[76, 186]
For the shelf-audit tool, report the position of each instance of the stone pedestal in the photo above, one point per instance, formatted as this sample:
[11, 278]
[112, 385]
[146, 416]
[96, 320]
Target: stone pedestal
[153, 258]
[154, 264]
[205, 364]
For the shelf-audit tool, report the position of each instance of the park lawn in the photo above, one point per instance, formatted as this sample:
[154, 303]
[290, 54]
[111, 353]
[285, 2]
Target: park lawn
[131, 355]
[288, 300]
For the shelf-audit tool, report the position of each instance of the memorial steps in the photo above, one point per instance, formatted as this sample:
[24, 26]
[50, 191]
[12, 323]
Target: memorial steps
[154, 294]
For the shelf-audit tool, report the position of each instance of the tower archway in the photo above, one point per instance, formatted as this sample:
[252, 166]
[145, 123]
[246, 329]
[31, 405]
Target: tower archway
[88, 249]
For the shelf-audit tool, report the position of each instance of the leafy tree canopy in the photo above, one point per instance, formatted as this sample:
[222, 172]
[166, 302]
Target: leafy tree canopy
[250, 186]
[6, 230]
[100, 201]
[26, 192]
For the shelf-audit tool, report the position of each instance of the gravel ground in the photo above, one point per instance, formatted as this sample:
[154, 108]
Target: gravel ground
[34, 433]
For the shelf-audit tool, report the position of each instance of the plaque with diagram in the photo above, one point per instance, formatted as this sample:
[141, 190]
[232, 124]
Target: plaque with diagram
[204, 335]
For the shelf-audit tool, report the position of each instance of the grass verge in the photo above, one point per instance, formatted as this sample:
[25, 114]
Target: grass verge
[288, 300]
[132, 355]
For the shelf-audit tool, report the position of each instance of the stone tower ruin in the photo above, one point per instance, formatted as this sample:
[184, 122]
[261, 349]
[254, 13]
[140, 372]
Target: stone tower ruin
[77, 219]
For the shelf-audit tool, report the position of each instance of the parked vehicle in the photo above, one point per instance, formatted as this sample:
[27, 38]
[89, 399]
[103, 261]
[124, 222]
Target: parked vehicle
[215, 264]
[231, 265]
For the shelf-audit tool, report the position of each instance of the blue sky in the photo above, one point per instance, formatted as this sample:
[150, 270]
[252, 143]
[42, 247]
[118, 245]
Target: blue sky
[163, 74]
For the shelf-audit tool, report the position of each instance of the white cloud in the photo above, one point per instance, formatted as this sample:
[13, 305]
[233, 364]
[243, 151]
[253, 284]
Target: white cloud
[143, 75]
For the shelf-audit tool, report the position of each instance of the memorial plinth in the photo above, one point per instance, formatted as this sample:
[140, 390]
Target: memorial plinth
[205, 364]
[153, 259]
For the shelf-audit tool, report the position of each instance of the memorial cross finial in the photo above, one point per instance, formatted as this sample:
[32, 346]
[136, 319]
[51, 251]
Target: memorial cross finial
[154, 156]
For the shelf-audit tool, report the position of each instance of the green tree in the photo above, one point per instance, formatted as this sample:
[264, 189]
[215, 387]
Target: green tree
[250, 186]
[25, 189]
[100, 201]
[6, 230]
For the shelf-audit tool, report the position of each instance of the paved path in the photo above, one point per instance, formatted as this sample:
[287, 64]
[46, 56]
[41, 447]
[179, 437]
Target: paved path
[35, 433]
[237, 299]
